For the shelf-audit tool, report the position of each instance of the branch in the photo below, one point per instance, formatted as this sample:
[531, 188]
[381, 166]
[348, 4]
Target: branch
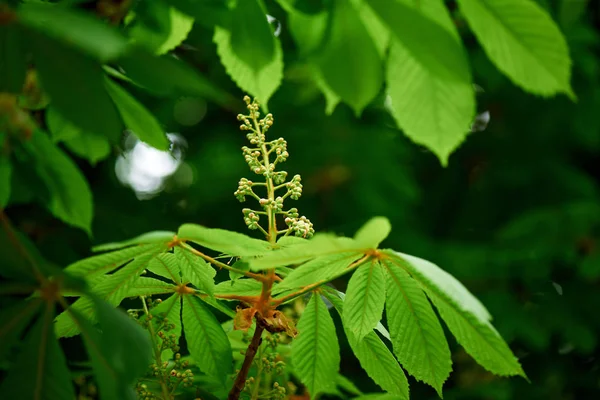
[240, 380]
[14, 239]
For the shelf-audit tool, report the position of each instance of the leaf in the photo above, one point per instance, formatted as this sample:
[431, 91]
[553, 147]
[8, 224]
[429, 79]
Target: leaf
[167, 266]
[350, 55]
[417, 336]
[76, 92]
[315, 351]
[195, 270]
[94, 266]
[74, 28]
[261, 85]
[148, 287]
[207, 342]
[70, 196]
[428, 76]
[59, 128]
[231, 243]
[13, 59]
[365, 298]
[252, 39]
[239, 287]
[171, 309]
[373, 232]
[319, 245]
[114, 288]
[89, 146]
[5, 176]
[41, 370]
[241, 265]
[15, 318]
[209, 13]
[374, 357]
[137, 118]
[163, 237]
[466, 318]
[523, 42]
[347, 385]
[320, 269]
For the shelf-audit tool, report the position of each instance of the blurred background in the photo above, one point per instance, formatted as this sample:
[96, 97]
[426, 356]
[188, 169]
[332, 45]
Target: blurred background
[515, 216]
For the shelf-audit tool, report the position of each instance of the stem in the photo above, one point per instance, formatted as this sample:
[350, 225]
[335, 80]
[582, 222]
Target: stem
[14, 239]
[257, 382]
[240, 380]
[158, 360]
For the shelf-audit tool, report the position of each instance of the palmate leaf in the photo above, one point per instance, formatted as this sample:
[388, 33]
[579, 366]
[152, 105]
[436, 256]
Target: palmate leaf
[195, 270]
[523, 42]
[228, 242]
[316, 352]
[163, 237]
[41, 371]
[207, 342]
[465, 316]
[166, 265]
[239, 287]
[373, 232]
[374, 356]
[417, 336]
[365, 299]
[149, 287]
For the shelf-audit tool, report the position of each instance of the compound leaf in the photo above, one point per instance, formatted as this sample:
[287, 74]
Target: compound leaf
[166, 265]
[149, 286]
[316, 352]
[523, 42]
[206, 339]
[146, 238]
[239, 287]
[373, 232]
[231, 243]
[195, 270]
[417, 336]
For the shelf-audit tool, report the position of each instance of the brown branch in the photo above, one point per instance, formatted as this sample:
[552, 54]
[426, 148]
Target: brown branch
[240, 380]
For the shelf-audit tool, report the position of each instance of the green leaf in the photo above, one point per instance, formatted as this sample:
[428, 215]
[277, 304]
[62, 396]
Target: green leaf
[373, 232]
[319, 245]
[78, 91]
[207, 12]
[242, 265]
[137, 118]
[98, 265]
[417, 336]
[252, 39]
[365, 298]
[308, 31]
[148, 287]
[207, 342]
[380, 396]
[5, 176]
[163, 237]
[347, 385]
[168, 76]
[239, 287]
[195, 270]
[75, 29]
[379, 33]
[523, 42]
[374, 357]
[261, 85]
[171, 309]
[465, 316]
[13, 59]
[350, 46]
[70, 196]
[40, 371]
[114, 288]
[58, 127]
[231, 243]
[316, 352]
[428, 76]
[15, 318]
[321, 269]
[167, 265]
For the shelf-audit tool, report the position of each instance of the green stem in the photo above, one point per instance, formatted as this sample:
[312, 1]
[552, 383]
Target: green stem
[158, 360]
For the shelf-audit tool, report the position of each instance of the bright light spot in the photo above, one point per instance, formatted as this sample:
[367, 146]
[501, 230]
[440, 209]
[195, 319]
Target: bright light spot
[387, 104]
[558, 288]
[188, 111]
[481, 122]
[478, 89]
[273, 21]
[145, 169]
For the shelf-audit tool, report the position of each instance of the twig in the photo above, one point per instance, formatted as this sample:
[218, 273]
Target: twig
[157, 354]
[240, 380]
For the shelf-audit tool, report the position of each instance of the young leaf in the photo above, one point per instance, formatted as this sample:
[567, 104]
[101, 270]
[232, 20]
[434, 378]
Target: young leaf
[365, 298]
[70, 196]
[74, 28]
[428, 76]
[465, 316]
[137, 118]
[417, 336]
[195, 270]
[373, 232]
[5, 175]
[523, 42]
[261, 85]
[252, 38]
[163, 237]
[41, 370]
[167, 266]
[13, 59]
[15, 319]
[231, 243]
[350, 47]
[374, 357]
[77, 92]
[316, 352]
[207, 342]
[171, 309]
